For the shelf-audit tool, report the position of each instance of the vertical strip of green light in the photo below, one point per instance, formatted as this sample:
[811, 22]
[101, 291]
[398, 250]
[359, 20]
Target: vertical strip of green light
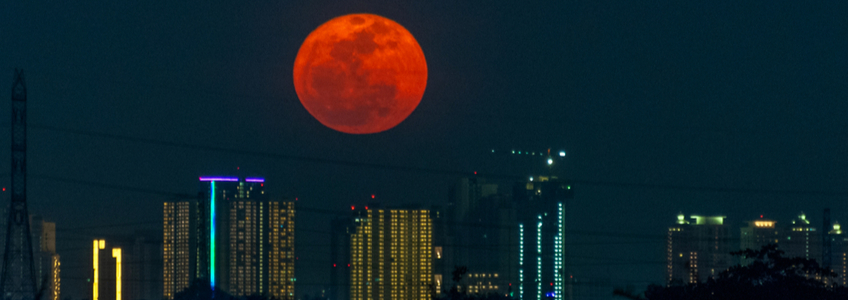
[212, 236]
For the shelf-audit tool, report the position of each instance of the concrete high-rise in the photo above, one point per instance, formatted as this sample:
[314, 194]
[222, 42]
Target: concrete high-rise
[390, 254]
[233, 236]
[697, 249]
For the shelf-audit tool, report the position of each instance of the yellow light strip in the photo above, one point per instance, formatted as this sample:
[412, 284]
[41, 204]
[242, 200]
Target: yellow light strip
[98, 244]
[116, 253]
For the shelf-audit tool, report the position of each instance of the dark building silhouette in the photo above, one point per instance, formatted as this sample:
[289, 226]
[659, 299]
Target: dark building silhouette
[480, 234]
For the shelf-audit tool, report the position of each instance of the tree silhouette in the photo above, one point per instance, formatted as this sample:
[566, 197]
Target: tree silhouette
[770, 276]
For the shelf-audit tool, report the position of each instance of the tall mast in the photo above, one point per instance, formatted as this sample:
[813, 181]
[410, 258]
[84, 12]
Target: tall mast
[17, 282]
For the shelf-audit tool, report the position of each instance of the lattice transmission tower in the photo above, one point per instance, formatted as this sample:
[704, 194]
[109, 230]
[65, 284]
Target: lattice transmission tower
[17, 280]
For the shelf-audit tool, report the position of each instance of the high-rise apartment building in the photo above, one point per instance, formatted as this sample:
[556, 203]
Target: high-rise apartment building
[390, 255]
[758, 233]
[697, 249]
[233, 236]
[801, 240]
[541, 207]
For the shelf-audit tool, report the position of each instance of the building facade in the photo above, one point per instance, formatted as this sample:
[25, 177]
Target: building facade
[697, 249]
[390, 254]
[233, 236]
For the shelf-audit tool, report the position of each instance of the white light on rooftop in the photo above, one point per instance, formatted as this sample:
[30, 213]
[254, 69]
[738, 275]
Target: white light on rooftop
[550, 161]
[562, 153]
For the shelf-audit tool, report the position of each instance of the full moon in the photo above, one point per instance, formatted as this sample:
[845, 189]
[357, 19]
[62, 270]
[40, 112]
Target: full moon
[360, 74]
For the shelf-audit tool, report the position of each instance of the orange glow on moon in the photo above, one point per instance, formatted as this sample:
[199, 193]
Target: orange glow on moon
[360, 73]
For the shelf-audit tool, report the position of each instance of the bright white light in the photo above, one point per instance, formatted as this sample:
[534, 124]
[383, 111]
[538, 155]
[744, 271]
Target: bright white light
[562, 153]
[550, 161]
[531, 178]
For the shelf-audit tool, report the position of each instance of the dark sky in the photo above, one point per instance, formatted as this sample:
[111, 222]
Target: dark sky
[729, 95]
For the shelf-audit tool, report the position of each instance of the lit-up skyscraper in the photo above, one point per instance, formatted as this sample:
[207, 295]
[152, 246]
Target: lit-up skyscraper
[390, 255]
[697, 249]
[541, 204]
[233, 236]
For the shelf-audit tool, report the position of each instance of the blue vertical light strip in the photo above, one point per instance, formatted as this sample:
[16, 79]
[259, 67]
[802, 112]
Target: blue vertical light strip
[539, 259]
[521, 261]
[212, 236]
[559, 244]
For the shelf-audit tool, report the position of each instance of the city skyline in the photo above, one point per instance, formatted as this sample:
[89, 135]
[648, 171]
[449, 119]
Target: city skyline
[730, 109]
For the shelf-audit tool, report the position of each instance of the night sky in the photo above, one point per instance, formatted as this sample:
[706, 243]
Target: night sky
[732, 108]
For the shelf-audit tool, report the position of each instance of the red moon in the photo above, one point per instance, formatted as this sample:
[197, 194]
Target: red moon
[360, 73]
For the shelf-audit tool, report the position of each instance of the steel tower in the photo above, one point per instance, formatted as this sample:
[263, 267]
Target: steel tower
[18, 280]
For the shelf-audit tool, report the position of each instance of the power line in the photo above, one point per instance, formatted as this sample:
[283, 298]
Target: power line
[414, 169]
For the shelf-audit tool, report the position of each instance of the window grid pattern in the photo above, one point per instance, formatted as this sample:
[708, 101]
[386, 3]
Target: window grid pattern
[281, 252]
[175, 248]
[391, 255]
